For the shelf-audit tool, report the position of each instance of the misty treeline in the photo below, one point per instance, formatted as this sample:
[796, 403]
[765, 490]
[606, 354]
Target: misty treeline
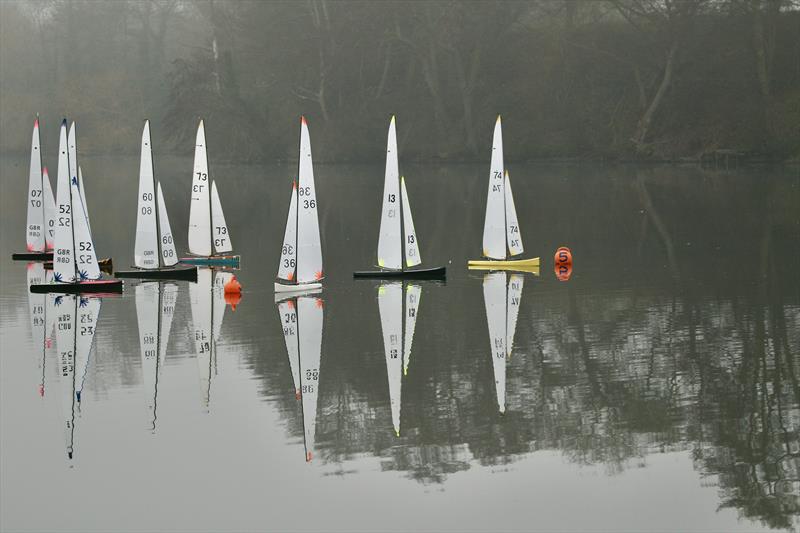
[616, 79]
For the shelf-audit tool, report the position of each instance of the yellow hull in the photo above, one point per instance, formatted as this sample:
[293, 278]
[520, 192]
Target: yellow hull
[510, 264]
[530, 270]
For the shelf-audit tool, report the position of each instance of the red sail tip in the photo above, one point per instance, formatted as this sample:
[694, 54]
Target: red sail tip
[290, 303]
[319, 303]
[309, 456]
[290, 276]
[318, 275]
[303, 120]
[44, 172]
[294, 184]
[297, 395]
[36, 123]
[41, 391]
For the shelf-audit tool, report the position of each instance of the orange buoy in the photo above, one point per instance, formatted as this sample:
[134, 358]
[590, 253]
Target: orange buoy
[563, 263]
[233, 299]
[233, 286]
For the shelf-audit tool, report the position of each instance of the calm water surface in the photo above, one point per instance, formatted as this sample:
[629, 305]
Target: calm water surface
[657, 389]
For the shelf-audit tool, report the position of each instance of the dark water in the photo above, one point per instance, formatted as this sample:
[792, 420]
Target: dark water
[657, 389]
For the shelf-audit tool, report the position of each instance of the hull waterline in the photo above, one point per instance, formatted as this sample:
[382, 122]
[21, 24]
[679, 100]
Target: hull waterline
[32, 256]
[108, 286]
[439, 273]
[178, 273]
[214, 260]
[491, 263]
[296, 287]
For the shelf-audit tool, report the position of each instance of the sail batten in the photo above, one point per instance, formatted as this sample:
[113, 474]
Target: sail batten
[35, 236]
[494, 233]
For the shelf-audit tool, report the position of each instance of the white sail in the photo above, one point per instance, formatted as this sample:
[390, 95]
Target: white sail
[34, 236]
[145, 249]
[409, 235]
[64, 251]
[86, 321]
[85, 256]
[169, 295]
[494, 296]
[514, 301]
[288, 262]
[82, 190]
[513, 233]
[494, 227]
[169, 256]
[413, 294]
[288, 314]
[49, 211]
[147, 314]
[390, 305]
[199, 211]
[201, 302]
[390, 247]
[309, 250]
[310, 318]
[222, 239]
[65, 344]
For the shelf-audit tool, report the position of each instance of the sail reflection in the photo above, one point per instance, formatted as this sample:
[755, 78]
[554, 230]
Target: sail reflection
[502, 307]
[155, 307]
[75, 320]
[398, 319]
[42, 317]
[302, 320]
[207, 297]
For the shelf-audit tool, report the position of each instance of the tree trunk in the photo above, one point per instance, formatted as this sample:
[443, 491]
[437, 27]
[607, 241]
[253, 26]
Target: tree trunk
[645, 122]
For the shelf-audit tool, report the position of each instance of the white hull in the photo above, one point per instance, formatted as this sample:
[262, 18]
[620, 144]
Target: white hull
[297, 287]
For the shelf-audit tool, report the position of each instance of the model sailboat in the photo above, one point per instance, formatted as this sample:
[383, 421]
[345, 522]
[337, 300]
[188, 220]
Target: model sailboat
[40, 222]
[398, 246]
[300, 267]
[302, 319]
[154, 254]
[501, 234]
[155, 307]
[209, 239]
[502, 309]
[398, 319]
[207, 298]
[75, 267]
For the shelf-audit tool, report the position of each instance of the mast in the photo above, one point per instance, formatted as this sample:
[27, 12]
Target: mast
[403, 237]
[75, 274]
[158, 223]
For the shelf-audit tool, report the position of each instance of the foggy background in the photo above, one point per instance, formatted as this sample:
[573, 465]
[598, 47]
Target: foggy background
[608, 79]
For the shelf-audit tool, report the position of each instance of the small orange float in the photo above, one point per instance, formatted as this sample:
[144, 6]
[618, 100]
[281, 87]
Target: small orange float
[563, 263]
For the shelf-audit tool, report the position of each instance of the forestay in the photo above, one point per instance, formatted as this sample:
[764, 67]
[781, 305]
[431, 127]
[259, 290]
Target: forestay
[288, 261]
[410, 236]
[390, 248]
[199, 212]
[494, 232]
[222, 239]
[145, 250]
[309, 250]
[34, 238]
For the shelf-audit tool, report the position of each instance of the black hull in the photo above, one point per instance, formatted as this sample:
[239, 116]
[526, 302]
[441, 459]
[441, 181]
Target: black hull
[178, 273]
[420, 273]
[104, 286]
[106, 265]
[33, 256]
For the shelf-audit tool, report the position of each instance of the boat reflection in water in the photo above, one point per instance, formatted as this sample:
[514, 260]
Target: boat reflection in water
[301, 318]
[155, 307]
[207, 298]
[75, 319]
[398, 319]
[42, 317]
[502, 301]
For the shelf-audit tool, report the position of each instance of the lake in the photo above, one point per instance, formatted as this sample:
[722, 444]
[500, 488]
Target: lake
[656, 389]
